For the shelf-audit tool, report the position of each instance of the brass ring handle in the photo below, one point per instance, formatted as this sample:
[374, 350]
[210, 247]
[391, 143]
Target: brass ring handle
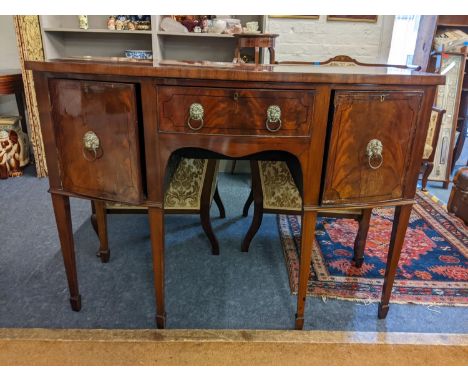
[273, 116]
[91, 143]
[374, 151]
[196, 113]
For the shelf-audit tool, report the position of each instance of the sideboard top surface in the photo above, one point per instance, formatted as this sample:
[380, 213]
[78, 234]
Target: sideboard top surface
[239, 72]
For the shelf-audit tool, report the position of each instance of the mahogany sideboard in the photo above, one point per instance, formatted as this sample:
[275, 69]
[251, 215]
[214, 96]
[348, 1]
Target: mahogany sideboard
[356, 133]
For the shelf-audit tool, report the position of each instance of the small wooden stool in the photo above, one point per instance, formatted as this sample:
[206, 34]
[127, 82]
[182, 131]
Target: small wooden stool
[11, 82]
[256, 41]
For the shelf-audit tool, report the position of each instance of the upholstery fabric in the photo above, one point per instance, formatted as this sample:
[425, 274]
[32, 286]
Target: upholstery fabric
[430, 136]
[427, 151]
[185, 187]
[279, 189]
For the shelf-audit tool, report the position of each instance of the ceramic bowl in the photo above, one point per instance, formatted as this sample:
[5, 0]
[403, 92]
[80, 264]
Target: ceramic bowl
[139, 54]
[218, 26]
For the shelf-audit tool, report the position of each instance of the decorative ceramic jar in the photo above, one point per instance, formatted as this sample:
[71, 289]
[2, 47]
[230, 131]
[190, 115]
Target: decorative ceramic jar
[83, 20]
[204, 24]
[252, 26]
[14, 147]
[218, 26]
[119, 25]
[111, 23]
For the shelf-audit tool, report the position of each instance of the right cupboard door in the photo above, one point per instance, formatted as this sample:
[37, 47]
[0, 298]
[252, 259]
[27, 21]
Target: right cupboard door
[370, 146]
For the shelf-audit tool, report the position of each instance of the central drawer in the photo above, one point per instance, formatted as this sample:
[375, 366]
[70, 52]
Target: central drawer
[185, 109]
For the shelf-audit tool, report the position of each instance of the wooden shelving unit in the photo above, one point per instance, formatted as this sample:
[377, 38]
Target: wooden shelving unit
[453, 96]
[96, 30]
[62, 37]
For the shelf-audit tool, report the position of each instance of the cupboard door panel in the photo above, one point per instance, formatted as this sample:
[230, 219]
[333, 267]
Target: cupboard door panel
[370, 146]
[96, 129]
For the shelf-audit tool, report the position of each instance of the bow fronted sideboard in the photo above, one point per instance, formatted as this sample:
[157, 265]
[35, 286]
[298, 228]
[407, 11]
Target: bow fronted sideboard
[355, 134]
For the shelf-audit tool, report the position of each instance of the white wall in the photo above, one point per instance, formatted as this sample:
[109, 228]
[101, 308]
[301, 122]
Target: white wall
[319, 39]
[9, 59]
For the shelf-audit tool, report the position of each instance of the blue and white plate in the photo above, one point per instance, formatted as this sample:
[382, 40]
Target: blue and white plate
[139, 54]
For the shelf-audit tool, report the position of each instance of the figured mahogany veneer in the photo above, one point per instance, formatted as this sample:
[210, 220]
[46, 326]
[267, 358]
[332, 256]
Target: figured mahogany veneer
[235, 111]
[359, 117]
[108, 110]
[328, 117]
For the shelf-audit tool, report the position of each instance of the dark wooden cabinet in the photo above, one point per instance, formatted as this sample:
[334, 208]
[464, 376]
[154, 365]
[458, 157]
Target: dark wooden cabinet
[325, 119]
[235, 111]
[383, 121]
[105, 112]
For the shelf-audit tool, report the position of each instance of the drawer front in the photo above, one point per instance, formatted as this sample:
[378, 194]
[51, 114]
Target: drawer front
[370, 146]
[235, 111]
[104, 114]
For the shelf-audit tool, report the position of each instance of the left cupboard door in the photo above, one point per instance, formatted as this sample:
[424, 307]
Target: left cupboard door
[97, 135]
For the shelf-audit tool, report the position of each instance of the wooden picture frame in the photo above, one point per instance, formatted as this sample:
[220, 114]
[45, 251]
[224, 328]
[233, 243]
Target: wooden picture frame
[354, 18]
[311, 17]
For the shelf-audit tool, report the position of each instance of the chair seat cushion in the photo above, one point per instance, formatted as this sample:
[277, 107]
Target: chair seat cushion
[427, 151]
[186, 186]
[279, 190]
[184, 189]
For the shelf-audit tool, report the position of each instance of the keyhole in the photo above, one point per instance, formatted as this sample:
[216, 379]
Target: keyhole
[236, 97]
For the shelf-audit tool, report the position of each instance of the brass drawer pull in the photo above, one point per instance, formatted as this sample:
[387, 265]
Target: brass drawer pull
[374, 153]
[273, 116]
[195, 114]
[91, 144]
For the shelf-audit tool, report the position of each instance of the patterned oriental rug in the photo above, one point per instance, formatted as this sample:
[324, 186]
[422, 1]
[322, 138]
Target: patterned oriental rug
[433, 267]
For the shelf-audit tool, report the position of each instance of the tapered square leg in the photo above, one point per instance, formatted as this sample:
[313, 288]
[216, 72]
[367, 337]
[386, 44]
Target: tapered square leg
[156, 223]
[361, 237]
[61, 206]
[161, 321]
[101, 220]
[307, 238]
[400, 224]
[75, 303]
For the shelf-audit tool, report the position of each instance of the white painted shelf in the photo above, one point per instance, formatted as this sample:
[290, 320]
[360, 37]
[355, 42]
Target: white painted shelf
[62, 37]
[74, 30]
[192, 34]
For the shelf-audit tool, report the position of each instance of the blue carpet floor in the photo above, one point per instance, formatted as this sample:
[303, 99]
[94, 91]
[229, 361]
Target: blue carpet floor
[234, 290]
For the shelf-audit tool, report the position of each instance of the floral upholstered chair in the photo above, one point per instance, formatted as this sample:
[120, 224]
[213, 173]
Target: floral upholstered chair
[192, 186]
[274, 191]
[430, 146]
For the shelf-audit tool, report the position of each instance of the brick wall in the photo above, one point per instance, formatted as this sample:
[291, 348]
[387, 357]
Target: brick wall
[317, 40]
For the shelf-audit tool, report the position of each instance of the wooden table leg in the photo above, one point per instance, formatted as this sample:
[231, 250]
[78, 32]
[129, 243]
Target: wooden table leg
[400, 223]
[101, 223]
[272, 55]
[237, 55]
[61, 205]
[307, 238]
[156, 223]
[257, 55]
